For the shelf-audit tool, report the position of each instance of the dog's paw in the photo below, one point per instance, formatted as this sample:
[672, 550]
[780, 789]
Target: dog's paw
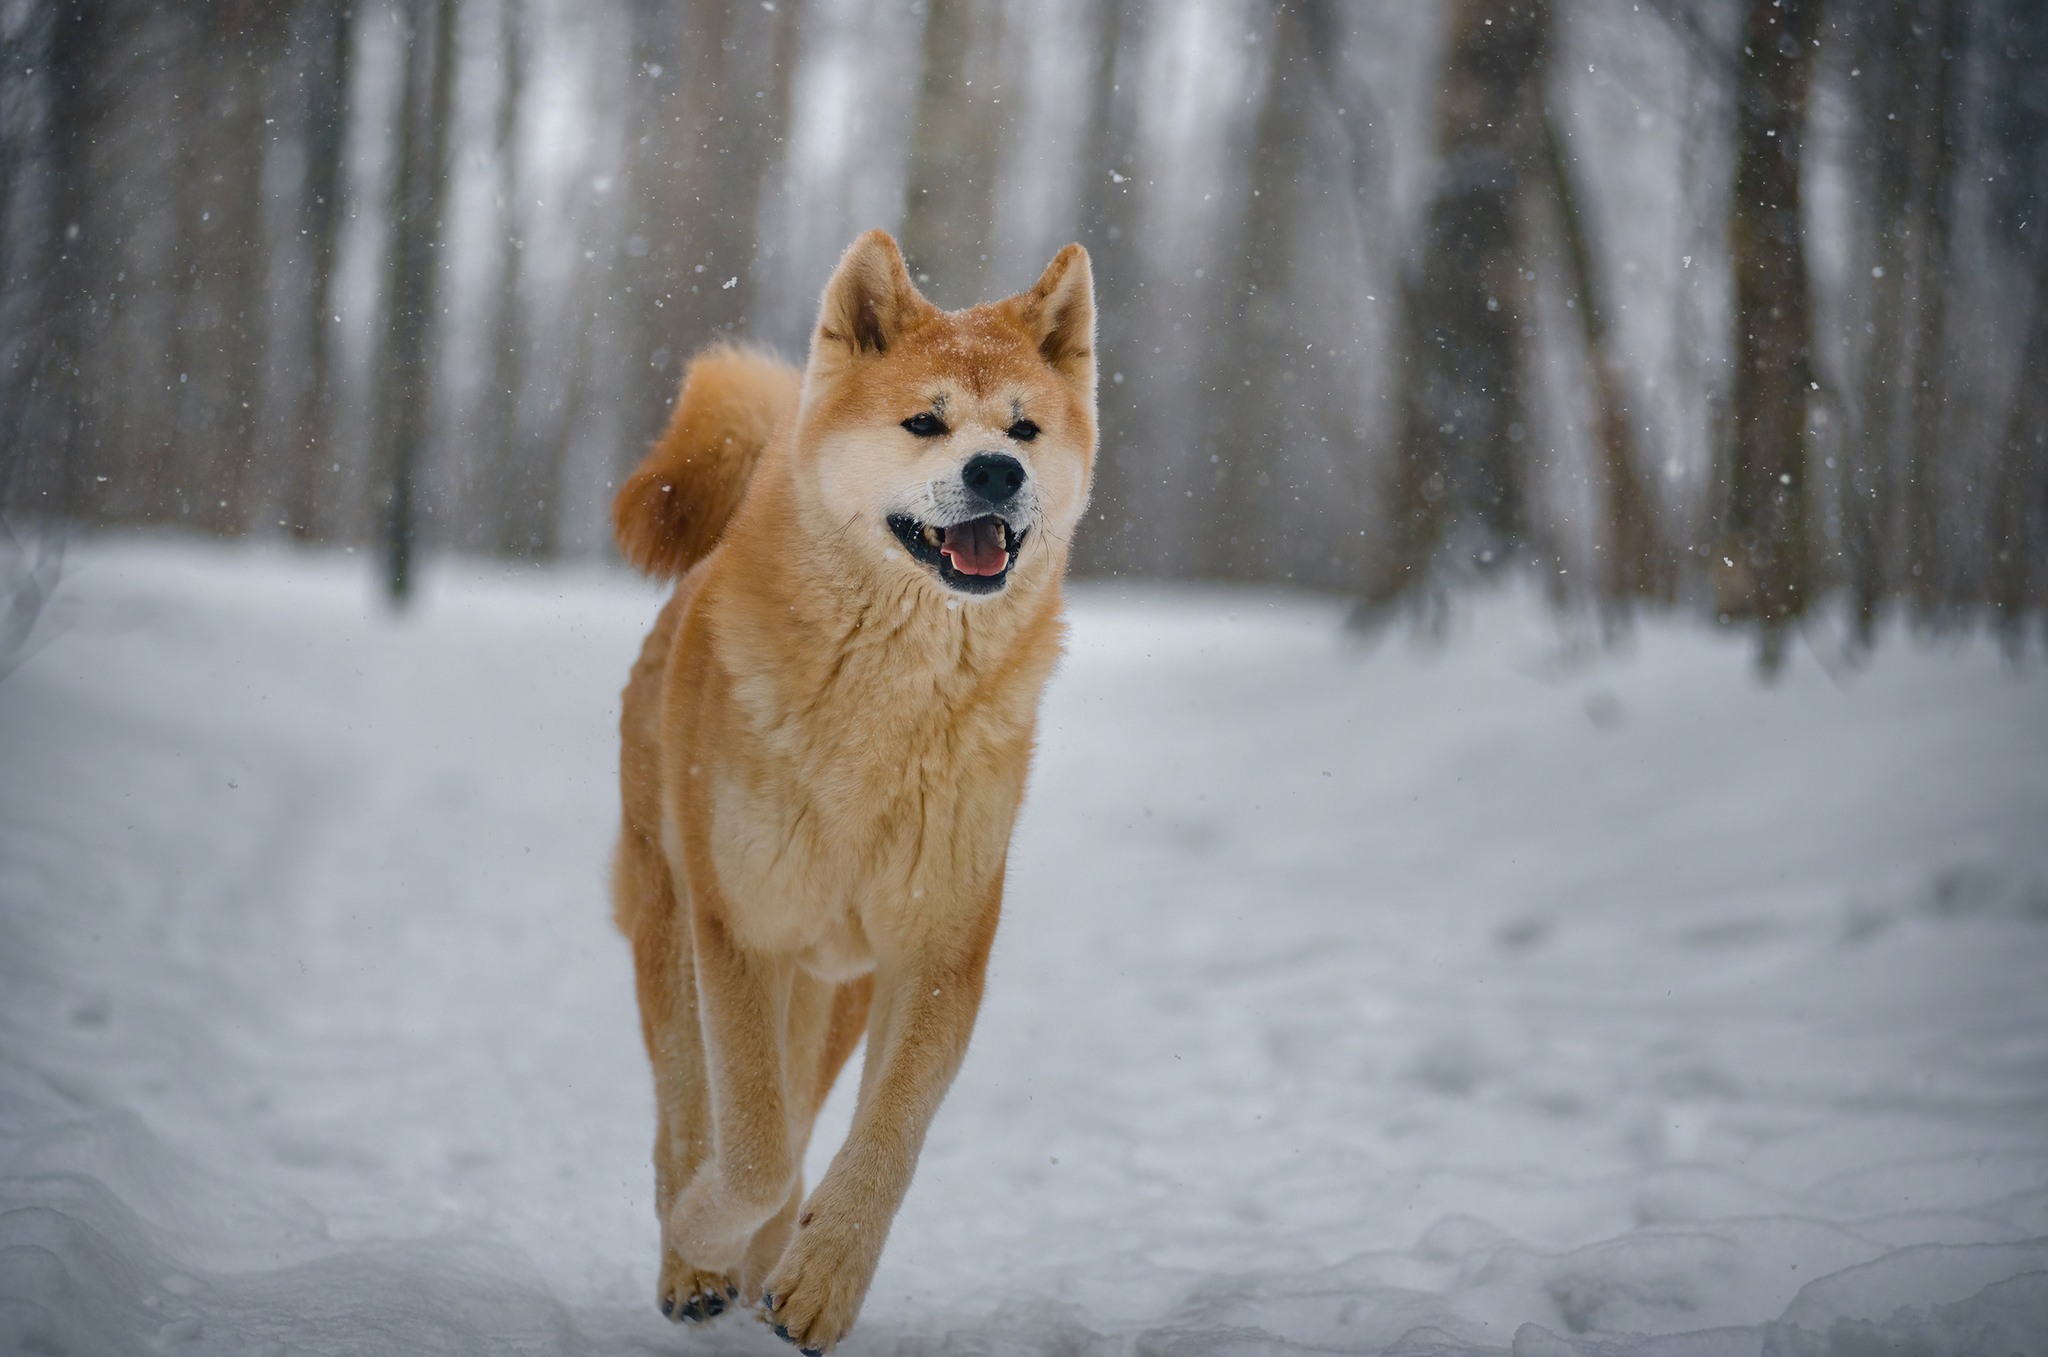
[689, 1295]
[815, 1292]
[714, 1223]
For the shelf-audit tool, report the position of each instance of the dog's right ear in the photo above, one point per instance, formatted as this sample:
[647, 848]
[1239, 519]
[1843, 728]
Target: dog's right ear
[869, 302]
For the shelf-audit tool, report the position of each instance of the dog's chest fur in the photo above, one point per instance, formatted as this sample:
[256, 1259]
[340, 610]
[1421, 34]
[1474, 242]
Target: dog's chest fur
[868, 770]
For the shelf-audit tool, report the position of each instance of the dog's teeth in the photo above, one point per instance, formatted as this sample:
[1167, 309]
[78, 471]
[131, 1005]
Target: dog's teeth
[933, 536]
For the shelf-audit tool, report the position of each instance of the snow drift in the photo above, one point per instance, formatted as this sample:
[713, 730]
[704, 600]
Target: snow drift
[1508, 995]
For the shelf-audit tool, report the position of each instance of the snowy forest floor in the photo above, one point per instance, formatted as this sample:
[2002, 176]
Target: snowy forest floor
[1438, 999]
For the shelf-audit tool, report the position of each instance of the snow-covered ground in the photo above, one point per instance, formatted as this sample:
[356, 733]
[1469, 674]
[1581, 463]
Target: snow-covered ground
[1347, 999]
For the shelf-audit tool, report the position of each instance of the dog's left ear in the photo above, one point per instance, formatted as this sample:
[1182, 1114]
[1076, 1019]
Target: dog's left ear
[1059, 314]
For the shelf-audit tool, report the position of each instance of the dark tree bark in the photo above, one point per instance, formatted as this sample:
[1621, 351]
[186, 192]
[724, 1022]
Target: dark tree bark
[48, 473]
[1904, 98]
[405, 385]
[1261, 402]
[514, 526]
[20, 50]
[1458, 483]
[1270, 391]
[674, 256]
[1108, 537]
[1932, 161]
[1865, 488]
[542, 452]
[1637, 565]
[326, 34]
[1764, 560]
[721, 107]
[745, 94]
[711, 105]
[224, 330]
[2018, 536]
[2019, 505]
[949, 211]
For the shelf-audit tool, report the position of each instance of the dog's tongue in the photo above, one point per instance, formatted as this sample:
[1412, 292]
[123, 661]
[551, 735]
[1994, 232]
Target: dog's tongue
[977, 547]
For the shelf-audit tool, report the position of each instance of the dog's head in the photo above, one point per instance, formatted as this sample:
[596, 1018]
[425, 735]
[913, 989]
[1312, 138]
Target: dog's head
[956, 445]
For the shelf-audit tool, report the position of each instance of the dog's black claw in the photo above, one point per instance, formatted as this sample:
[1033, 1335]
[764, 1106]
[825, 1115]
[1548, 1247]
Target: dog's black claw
[768, 1300]
[668, 1307]
[731, 1292]
[812, 1352]
[782, 1332]
[693, 1313]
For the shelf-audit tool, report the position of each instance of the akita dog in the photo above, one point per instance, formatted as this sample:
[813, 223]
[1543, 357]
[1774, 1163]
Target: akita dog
[825, 740]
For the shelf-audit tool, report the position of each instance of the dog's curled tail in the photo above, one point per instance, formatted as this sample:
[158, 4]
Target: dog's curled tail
[670, 511]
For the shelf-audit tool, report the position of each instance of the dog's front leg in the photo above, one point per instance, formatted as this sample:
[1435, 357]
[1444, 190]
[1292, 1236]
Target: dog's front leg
[742, 999]
[924, 1006]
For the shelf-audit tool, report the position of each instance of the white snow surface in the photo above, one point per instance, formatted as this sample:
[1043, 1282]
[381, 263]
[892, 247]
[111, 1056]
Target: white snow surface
[1503, 994]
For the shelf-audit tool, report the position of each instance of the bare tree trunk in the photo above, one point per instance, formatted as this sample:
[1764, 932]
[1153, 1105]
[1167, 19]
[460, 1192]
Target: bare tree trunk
[1108, 542]
[1931, 158]
[1865, 485]
[1764, 558]
[19, 56]
[948, 216]
[239, 44]
[49, 473]
[543, 387]
[713, 95]
[1357, 113]
[190, 429]
[1261, 404]
[539, 452]
[756, 64]
[327, 30]
[1866, 490]
[507, 482]
[2018, 568]
[1458, 483]
[1902, 100]
[405, 381]
[676, 259]
[2019, 506]
[1637, 566]
[1266, 394]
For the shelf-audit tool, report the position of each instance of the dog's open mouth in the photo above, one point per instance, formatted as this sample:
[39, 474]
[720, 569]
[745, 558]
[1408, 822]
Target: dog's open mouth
[974, 556]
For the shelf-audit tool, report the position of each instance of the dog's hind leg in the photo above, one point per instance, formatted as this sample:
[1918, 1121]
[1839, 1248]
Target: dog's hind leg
[850, 1004]
[745, 1001]
[646, 907]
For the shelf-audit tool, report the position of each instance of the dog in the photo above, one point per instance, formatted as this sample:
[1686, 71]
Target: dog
[824, 742]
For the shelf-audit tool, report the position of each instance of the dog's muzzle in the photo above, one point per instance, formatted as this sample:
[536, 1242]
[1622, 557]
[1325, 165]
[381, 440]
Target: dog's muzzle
[968, 531]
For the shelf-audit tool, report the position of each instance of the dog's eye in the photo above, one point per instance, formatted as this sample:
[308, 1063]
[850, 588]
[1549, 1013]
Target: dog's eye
[1023, 431]
[925, 424]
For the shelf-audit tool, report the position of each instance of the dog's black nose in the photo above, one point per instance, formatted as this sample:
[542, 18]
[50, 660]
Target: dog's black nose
[993, 476]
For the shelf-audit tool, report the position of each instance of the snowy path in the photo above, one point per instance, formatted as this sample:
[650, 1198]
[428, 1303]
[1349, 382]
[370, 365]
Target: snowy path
[1343, 1000]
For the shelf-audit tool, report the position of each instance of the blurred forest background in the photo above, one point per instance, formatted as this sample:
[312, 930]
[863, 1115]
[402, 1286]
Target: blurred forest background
[1738, 305]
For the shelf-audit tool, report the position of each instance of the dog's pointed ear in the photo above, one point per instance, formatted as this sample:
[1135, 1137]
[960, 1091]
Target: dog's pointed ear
[1059, 314]
[869, 302]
